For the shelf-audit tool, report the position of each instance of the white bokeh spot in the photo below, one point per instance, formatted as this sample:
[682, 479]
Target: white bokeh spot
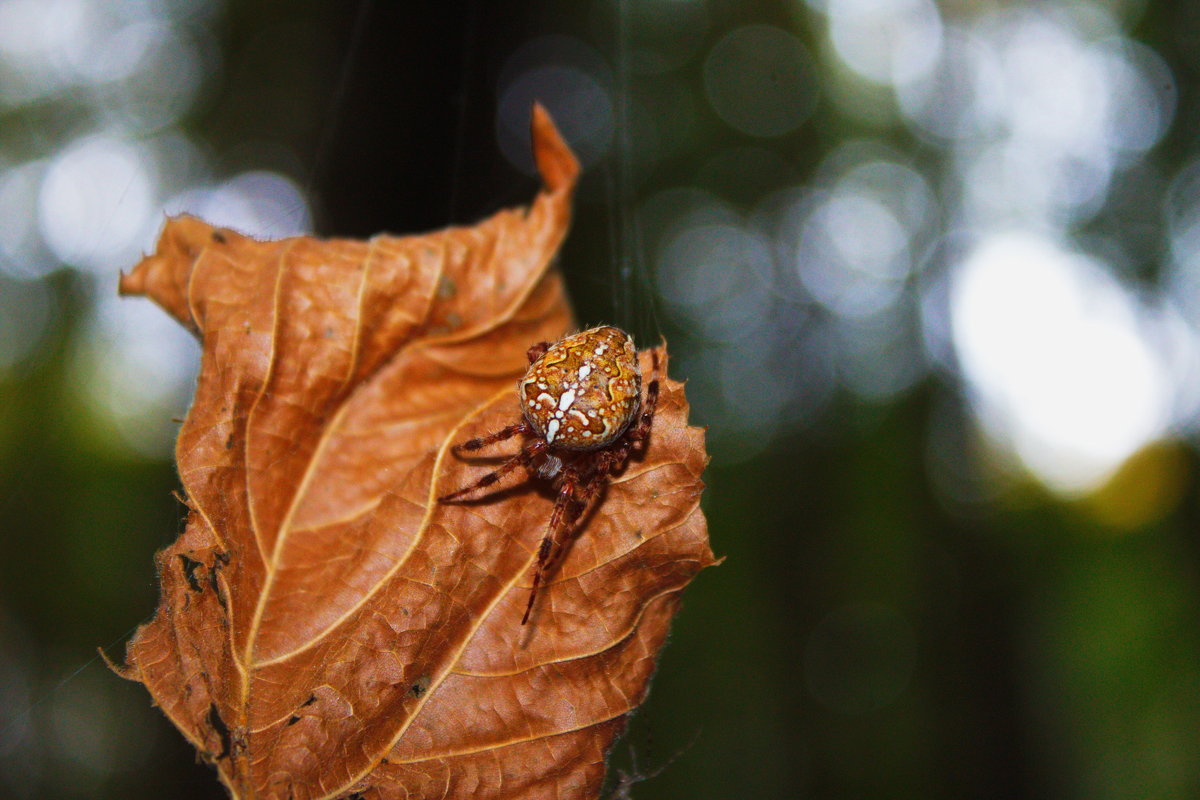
[1056, 360]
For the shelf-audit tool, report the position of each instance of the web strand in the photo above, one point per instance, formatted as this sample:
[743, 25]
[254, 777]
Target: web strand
[632, 297]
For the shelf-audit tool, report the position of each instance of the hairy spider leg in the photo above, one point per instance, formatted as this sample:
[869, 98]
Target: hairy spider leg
[481, 442]
[601, 468]
[642, 431]
[566, 495]
[573, 504]
[537, 351]
[524, 457]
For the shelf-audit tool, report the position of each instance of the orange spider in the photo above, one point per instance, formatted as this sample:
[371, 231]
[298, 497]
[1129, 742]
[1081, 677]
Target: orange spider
[580, 402]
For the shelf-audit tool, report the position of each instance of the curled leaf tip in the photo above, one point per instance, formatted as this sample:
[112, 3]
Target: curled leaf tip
[121, 670]
[557, 164]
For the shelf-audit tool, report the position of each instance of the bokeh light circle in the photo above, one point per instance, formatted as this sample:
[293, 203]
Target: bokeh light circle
[258, 203]
[581, 107]
[96, 201]
[887, 41]
[1056, 358]
[853, 254]
[760, 81]
[573, 82]
[21, 253]
[961, 95]
[713, 275]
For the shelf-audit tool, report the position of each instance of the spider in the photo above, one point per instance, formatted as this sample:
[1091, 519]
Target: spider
[582, 409]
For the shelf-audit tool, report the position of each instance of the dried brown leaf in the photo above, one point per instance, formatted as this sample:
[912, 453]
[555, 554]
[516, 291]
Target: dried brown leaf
[327, 628]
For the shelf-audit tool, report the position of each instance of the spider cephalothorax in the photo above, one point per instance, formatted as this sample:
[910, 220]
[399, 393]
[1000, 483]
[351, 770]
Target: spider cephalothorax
[583, 412]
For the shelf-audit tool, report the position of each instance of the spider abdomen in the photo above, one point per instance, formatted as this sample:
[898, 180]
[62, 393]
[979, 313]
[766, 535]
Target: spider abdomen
[585, 390]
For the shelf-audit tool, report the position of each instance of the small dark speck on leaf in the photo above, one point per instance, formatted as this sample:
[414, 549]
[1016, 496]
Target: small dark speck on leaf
[218, 237]
[312, 698]
[446, 288]
[229, 442]
[420, 686]
[292, 720]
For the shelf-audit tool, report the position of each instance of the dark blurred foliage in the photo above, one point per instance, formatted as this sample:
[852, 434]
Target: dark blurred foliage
[909, 607]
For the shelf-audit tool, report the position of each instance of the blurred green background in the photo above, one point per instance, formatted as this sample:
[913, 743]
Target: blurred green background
[931, 271]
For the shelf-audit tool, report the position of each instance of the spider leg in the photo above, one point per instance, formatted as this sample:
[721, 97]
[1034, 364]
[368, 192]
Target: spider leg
[642, 430]
[481, 442]
[561, 521]
[524, 457]
[573, 502]
[593, 484]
